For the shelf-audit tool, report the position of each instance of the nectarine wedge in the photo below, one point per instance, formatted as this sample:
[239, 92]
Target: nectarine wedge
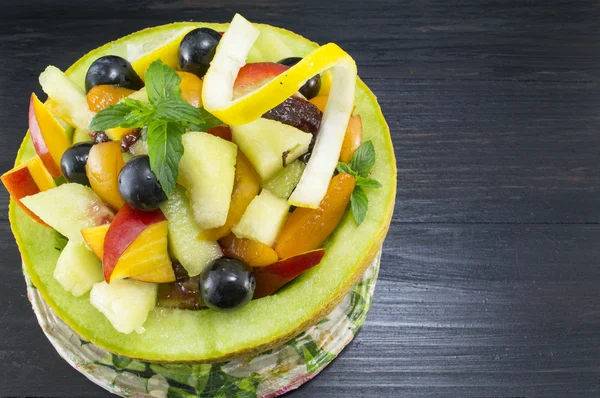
[272, 277]
[27, 179]
[306, 229]
[103, 166]
[47, 135]
[136, 243]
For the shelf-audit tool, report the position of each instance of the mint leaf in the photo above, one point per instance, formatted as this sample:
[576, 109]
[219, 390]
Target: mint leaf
[359, 204]
[129, 113]
[344, 168]
[161, 82]
[165, 150]
[208, 121]
[177, 110]
[110, 117]
[364, 159]
[367, 182]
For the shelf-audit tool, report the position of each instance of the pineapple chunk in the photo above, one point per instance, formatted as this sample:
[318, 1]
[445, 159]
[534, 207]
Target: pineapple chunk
[70, 100]
[125, 302]
[265, 142]
[207, 170]
[78, 269]
[69, 208]
[263, 219]
[192, 253]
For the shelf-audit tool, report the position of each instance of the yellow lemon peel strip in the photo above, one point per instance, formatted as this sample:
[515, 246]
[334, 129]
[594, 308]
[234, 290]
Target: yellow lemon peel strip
[217, 94]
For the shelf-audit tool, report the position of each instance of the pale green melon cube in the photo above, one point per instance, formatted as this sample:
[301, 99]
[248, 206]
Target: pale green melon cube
[192, 253]
[282, 184]
[125, 303]
[263, 219]
[207, 170]
[266, 142]
[69, 208]
[78, 269]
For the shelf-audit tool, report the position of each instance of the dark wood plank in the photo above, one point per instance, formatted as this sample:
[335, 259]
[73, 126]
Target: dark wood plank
[489, 278]
[425, 39]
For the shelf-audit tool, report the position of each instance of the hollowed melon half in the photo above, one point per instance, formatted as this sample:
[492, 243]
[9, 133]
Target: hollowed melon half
[208, 336]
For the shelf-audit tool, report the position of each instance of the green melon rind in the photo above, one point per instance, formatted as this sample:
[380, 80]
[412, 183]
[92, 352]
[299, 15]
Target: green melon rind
[208, 336]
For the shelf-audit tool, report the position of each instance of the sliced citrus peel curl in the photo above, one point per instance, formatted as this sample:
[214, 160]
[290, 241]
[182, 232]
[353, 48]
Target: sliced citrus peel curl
[217, 96]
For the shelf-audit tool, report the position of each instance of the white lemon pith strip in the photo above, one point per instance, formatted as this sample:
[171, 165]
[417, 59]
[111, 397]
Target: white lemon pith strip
[217, 96]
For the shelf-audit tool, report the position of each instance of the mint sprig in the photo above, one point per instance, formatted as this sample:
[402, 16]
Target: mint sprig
[166, 116]
[361, 163]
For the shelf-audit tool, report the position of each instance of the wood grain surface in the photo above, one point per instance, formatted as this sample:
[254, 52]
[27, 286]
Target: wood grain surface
[490, 278]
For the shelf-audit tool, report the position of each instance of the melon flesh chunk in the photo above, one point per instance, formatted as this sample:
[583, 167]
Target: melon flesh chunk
[263, 219]
[70, 100]
[266, 142]
[125, 302]
[78, 269]
[207, 170]
[69, 208]
[191, 252]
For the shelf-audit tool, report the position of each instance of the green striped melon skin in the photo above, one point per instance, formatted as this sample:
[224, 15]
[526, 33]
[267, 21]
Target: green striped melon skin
[208, 336]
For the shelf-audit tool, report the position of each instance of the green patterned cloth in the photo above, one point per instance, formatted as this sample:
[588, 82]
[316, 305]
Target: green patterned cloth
[268, 374]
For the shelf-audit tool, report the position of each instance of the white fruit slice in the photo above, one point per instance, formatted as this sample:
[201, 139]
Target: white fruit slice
[71, 100]
[264, 142]
[217, 96]
[69, 208]
[125, 302]
[263, 219]
[192, 253]
[207, 170]
[78, 269]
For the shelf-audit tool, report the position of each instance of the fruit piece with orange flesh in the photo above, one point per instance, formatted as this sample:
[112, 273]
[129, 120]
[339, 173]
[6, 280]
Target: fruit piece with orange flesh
[94, 237]
[27, 179]
[103, 166]
[352, 139]
[306, 229]
[147, 258]
[136, 243]
[47, 135]
[191, 88]
[246, 185]
[251, 252]
[271, 278]
[320, 101]
[104, 95]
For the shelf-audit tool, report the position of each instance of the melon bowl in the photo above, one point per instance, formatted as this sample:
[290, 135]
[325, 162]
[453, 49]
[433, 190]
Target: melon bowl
[201, 337]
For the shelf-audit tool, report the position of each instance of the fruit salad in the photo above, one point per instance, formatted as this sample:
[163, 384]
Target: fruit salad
[192, 178]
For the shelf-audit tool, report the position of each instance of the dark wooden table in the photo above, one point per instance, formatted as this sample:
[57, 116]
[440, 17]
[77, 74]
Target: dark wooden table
[490, 279]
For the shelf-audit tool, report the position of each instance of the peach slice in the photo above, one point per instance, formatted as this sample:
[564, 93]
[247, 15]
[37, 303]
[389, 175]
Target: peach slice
[136, 245]
[47, 135]
[103, 166]
[271, 278]
[191, 88]
[27, 179]
[94, 237]
[104, 95]
[245, 187]
[352, 139]
[306, 229]
[253, 253]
